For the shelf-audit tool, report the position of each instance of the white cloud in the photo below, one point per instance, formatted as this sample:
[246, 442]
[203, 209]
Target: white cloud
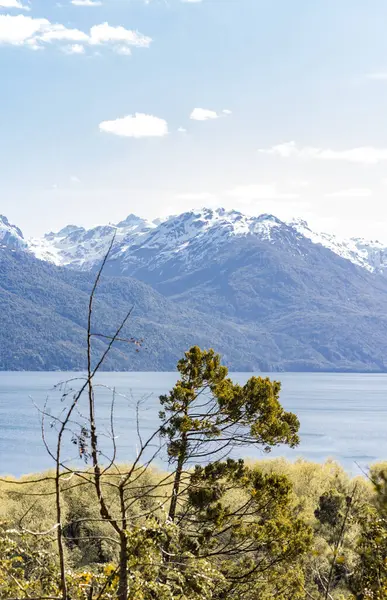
[191, 1]
[86, 2]
[21, 30]
[363, 155]
[350, 193]
[74, 49]
[203, 114]
[60, 33]
[13, 4]
[105, 34]
[136, 126]
[249, 193]
[75, 179]
[182, 130]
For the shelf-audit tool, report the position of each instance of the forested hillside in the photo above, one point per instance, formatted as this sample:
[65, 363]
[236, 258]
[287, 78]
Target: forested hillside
[43, 321]
[268, 300]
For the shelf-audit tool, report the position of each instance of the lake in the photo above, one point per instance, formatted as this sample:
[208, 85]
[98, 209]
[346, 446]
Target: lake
[343, 416]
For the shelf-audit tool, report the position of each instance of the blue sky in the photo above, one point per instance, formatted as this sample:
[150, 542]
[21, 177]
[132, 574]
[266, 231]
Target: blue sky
[291, 95]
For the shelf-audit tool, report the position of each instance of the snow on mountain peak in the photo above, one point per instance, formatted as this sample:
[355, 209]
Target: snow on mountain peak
[82, 248]
[197, 229]
[298, 222]
[69, 230]
[133, 221]
[193, 224]
[187, 236]
[364, 253]
[10, 235]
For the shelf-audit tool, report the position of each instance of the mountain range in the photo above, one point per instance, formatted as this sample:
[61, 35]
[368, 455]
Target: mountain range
[268, 295]
[81, 248]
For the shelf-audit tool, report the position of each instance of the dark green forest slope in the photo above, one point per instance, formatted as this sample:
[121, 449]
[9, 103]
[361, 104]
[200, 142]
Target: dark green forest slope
[313, 311]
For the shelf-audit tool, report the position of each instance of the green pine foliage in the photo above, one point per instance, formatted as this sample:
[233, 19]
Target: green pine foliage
[294, 512]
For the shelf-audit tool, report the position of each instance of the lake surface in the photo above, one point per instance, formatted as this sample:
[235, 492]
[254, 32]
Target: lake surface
[343, 416]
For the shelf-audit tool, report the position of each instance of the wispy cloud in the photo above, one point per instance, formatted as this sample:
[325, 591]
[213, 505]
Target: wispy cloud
[138, 125]
[350, 193]
[377, 75]
[60, 33]
[123, 50]
[367, 155]
[298, 183]
[21, 30]
[249, 193]
[203, 197]
[241, 195]
[13, 4]
[74, 49]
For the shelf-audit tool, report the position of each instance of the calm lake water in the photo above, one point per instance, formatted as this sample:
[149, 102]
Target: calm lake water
[343, 416]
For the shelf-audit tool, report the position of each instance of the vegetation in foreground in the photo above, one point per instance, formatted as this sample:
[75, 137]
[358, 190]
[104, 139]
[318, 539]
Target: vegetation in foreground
[210, 527]
[303, 525]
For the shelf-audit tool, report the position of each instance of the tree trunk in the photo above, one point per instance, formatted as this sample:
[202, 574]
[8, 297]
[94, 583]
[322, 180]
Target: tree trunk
[176, 488]
[123, 573]
[175, 492]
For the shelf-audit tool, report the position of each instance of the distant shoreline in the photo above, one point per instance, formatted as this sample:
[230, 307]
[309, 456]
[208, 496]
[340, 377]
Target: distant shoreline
[299, 372]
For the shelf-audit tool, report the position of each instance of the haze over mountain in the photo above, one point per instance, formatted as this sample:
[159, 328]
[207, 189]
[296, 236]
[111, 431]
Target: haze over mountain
[268, 295]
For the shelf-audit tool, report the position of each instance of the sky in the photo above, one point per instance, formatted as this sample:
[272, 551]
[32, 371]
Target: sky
[154, 107]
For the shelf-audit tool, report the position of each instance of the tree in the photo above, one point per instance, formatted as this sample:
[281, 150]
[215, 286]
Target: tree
[206, 415]
[243, 521]
[370, 579]
[238, 518]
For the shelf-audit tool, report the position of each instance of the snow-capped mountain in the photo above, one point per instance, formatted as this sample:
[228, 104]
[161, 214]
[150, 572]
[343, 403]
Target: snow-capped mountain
[371, 255]
[188, 236]
[81, 248]
[268, 295]
[10, 235]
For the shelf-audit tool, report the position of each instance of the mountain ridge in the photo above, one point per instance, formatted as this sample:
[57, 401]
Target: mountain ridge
[263, 294]
[81, 248]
